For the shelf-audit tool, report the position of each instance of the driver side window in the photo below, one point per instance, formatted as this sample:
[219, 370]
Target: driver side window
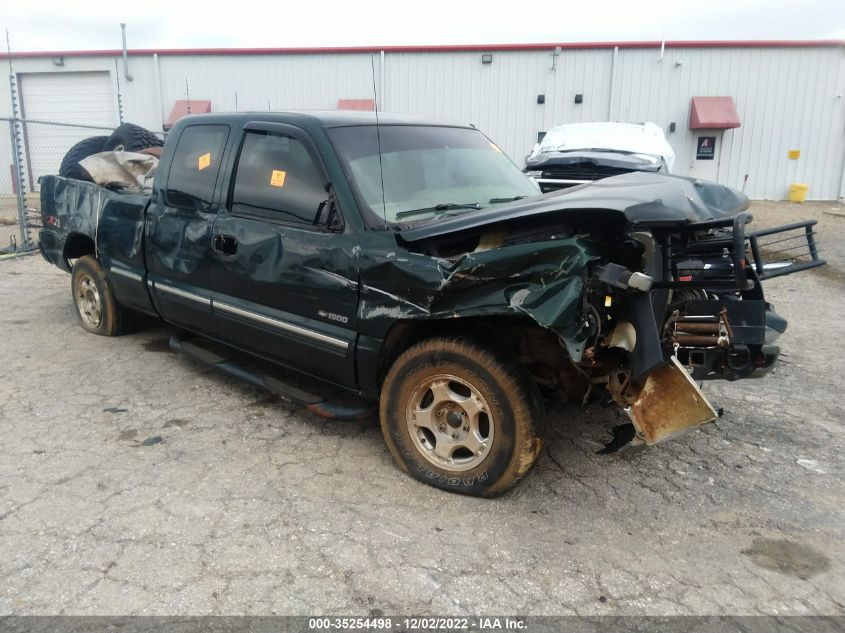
[276, 178]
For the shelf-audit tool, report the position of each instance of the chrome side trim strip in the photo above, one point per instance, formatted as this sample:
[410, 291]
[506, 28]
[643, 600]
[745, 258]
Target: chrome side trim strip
[126, 273]
[181, 293]
[282, 325]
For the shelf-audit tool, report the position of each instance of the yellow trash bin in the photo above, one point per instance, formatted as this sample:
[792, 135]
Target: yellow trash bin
[798, 192]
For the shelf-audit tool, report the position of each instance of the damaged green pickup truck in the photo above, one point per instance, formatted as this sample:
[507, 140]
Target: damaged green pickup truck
[412, 263]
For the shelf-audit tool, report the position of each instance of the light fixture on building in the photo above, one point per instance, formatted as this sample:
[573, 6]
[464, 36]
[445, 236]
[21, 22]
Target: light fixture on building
[487, 58]
[58, 61]
[541, 99]
[579, 98]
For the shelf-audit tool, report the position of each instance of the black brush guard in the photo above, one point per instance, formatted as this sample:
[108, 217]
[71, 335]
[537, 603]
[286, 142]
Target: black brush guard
[792, 252]
[719, 256]
[774, 252]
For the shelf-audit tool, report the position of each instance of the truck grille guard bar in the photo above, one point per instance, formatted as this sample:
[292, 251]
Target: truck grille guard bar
[795, 250]
[811, 255]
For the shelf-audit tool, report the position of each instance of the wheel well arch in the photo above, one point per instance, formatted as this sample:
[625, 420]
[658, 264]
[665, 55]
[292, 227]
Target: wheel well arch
[521, 338]
[78, 245]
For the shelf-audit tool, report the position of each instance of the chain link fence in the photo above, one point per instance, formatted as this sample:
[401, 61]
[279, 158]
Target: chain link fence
[28, 150]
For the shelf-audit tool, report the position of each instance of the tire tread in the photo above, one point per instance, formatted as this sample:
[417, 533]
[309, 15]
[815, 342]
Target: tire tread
[70, 167]
[133, 138]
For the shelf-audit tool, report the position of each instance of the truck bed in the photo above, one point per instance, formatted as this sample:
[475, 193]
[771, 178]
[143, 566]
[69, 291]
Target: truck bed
[73, 210]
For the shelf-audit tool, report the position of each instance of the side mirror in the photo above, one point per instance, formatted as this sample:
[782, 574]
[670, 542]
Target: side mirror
[335, 219]
[328, 214]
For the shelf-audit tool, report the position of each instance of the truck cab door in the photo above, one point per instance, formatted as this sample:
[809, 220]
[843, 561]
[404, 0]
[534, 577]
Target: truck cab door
[285, 269]
[179, 226]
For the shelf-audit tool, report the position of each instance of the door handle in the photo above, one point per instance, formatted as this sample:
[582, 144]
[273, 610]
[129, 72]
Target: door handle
[225, 244]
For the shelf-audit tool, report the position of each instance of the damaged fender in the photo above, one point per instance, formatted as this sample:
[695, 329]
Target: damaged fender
[541, 280]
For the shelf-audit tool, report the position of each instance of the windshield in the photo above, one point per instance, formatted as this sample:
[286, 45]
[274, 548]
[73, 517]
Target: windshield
[428, 171]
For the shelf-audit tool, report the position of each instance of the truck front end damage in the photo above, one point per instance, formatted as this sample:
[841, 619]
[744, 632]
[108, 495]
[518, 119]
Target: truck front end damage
[696, 313]
[645, 300]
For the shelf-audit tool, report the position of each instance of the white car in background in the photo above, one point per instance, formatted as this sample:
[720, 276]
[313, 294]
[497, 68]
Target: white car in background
[577, 153]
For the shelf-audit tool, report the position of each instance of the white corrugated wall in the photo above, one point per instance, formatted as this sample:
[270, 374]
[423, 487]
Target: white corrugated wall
[787, 98]
[500, 98]
[268, 82]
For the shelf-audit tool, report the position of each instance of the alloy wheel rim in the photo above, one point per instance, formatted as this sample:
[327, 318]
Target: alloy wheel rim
[450, 422]
[88, 301]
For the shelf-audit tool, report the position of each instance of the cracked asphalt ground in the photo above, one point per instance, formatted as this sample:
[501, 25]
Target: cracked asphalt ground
[133, 481]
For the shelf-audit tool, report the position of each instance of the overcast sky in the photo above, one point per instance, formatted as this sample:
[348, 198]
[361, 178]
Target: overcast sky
[94, 24]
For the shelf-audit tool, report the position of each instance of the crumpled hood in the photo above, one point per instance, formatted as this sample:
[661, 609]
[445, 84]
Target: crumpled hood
[645, 199]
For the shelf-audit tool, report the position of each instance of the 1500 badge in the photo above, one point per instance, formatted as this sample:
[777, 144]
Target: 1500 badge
[331, 316]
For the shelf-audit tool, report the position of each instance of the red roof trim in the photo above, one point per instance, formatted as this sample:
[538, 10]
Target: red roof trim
[434, 48]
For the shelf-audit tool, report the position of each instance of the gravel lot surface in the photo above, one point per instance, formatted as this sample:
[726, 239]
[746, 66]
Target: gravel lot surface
[133, 481]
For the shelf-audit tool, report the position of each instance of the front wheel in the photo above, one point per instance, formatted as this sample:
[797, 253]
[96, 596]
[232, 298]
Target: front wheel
[98, 310]
[460, 417]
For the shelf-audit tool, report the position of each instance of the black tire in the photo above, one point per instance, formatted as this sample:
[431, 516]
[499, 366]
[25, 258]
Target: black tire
[89, 279]
[70, 167]
[414, 420]
[133, 138]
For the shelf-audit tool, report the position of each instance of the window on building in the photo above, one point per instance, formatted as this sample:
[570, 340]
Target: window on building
[277, 178]
[196, 165]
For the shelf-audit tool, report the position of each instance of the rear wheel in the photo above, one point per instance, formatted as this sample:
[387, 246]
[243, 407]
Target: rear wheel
[460, 417]
[98, 310]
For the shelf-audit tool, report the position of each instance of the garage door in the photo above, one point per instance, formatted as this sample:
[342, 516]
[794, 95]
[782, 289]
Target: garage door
[83, 99]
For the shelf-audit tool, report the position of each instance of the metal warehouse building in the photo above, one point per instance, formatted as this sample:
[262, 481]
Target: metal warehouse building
[788, 96]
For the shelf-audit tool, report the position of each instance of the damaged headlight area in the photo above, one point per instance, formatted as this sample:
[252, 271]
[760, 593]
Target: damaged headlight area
[628, 360]
[695, 311]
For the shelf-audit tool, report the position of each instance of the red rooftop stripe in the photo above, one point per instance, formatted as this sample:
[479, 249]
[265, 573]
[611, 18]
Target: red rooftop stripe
[446, 48]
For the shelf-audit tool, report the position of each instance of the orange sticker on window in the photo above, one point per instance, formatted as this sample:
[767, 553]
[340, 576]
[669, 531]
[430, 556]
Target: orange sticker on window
[204, 161]
[277, 179]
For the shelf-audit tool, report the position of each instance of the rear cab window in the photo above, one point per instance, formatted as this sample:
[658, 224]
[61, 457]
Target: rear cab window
[196, 166]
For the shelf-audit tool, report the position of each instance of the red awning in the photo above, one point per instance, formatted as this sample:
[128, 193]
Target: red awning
[713, 113]
[180, 109]
[356, 104]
